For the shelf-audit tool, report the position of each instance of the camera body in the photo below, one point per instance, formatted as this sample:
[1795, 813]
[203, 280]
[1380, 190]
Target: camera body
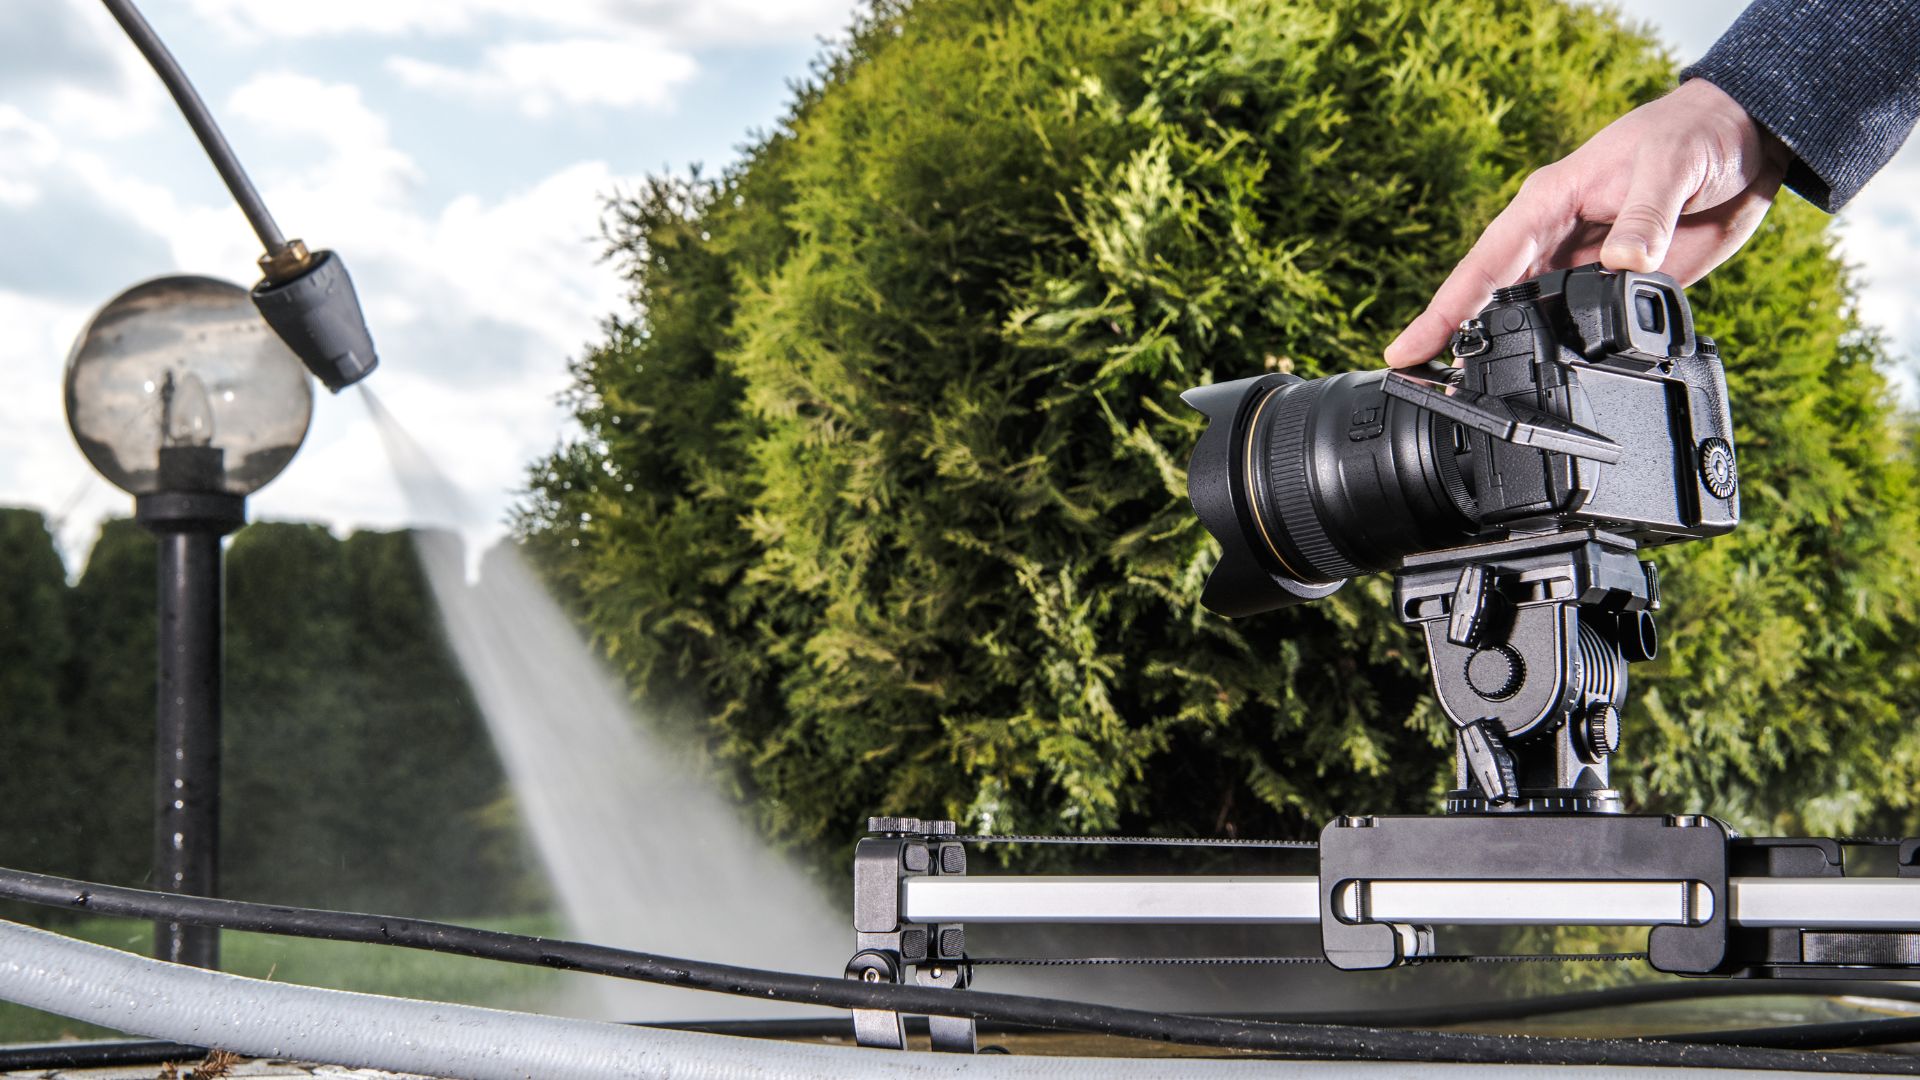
[1615, 353]
[1583, 419]
[1308, 482]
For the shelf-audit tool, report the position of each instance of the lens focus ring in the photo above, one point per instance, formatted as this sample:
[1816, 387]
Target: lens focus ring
[1282, 497]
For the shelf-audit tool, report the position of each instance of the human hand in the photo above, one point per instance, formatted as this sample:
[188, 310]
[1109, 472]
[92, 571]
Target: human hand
[1676, 185]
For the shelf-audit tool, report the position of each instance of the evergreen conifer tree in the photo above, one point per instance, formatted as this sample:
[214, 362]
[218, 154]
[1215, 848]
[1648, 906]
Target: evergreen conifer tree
[111, 694]
[882, 491]
[358, 772]
[33, 726]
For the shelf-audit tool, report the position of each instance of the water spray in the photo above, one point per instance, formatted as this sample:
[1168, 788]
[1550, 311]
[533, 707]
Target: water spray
[642, 851]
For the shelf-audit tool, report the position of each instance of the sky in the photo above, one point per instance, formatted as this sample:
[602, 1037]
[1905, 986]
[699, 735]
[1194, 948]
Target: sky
[457, 155]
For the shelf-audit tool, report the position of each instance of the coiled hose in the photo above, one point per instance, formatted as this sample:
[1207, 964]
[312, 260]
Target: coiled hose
[278, 1020]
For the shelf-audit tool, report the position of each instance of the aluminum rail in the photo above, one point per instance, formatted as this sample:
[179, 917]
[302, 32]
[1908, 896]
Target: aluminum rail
[1836, 903]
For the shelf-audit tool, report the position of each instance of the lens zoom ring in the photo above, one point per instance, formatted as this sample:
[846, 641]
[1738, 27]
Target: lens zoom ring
[1288, 443]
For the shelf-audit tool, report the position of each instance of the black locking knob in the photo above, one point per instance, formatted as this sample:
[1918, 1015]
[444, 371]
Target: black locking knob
[1603, 730]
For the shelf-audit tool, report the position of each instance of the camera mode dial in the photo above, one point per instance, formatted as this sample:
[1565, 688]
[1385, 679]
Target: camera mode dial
[1717, 468]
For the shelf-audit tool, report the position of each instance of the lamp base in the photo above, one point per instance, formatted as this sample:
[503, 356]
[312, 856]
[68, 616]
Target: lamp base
[190, 511]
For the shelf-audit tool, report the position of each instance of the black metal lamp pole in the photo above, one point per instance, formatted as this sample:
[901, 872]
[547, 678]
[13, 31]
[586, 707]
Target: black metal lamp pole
[188, 525]
[179, 394]
[308, 301]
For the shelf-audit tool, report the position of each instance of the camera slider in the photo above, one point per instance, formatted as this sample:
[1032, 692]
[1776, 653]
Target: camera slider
[1717, 905]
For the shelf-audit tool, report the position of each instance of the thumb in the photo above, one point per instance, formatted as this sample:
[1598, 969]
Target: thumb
[1643, 229]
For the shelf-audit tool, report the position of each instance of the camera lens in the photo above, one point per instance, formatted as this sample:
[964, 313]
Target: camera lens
[1340, 479]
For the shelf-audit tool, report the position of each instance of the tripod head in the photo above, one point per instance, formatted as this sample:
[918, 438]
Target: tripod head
[1529, 640]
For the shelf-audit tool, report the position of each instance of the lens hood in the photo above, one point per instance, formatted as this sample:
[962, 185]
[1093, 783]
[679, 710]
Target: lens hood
[1239, 585]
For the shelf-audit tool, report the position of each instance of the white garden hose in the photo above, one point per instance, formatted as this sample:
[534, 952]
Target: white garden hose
[461, 1042]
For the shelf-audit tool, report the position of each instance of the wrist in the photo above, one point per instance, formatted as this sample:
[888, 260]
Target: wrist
[1753, 137]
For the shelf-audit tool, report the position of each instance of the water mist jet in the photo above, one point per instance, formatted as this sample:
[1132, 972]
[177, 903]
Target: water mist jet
[642, 852]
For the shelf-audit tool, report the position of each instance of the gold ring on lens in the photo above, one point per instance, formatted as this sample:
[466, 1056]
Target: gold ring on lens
[1253, 504]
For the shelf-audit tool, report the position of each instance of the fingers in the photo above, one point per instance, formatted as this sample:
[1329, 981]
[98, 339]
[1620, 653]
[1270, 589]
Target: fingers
[1421, 340]
[1695, 149]
[1643, 229]
[1510, 244]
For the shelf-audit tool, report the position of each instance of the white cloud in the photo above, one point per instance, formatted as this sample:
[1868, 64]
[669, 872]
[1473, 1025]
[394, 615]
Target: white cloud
[537, 76]
[679, 22]
[249, 20]
[18, 193]
[45, 466]
[360, 166]
[71, 62]
[735, 21]
[1880, 232]
[26, 149]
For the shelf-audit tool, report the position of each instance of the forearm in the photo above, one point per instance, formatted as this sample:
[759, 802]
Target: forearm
[1838, 81]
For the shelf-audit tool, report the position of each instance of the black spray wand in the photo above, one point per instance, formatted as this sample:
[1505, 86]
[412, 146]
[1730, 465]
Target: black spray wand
[305, 296]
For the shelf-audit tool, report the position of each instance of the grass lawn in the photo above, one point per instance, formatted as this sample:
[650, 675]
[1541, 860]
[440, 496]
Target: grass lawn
[370, 969]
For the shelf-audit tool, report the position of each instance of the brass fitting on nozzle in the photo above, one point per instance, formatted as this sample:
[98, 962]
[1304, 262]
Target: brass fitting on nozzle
[282, 266]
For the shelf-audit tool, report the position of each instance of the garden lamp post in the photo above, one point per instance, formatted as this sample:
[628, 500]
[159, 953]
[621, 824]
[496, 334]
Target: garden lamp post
[180, 394]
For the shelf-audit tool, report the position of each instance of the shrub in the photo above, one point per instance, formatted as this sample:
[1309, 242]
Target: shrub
[882, 496]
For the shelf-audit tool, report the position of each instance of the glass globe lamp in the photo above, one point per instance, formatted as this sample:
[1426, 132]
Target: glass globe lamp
[178, 385]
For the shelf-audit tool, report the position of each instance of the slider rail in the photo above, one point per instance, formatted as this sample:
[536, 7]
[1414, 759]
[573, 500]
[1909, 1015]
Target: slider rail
[1715, 904]
[1882, 904]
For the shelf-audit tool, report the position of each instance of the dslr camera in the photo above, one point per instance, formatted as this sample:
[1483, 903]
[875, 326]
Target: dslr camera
[1581, 421]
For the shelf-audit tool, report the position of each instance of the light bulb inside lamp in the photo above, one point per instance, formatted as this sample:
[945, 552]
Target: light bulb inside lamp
[186, 414]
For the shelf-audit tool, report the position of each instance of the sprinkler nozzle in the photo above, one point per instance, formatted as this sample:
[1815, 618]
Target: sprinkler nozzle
[317, 314]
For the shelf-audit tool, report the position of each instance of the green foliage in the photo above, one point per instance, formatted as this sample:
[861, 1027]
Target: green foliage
[108, 763]
[357, 772]
[33, 646]
[1785, 697]
[882, 493]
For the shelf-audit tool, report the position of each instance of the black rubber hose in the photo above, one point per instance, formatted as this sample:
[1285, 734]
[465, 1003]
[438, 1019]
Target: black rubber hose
[1902, 1029]
[1834, 1036]
[1555, 1004]
[1440, 1015]
[201, 121]
[95, 1055]
[1351, 1043]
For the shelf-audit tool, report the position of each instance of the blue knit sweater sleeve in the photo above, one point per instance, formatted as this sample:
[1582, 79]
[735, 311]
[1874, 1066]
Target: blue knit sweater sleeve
[1837, 80]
